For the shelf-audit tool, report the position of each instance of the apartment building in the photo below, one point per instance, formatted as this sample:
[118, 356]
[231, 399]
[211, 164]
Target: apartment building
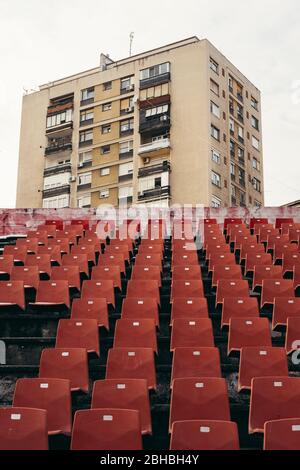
[179, 124]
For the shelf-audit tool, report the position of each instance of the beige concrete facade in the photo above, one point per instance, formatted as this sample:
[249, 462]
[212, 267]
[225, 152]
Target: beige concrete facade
[159, 121]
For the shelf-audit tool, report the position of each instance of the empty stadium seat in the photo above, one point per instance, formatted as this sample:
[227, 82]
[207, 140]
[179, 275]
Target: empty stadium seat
[285, 307]
[49, 229]
[78, 334]
[59, 224]
[239, 307]
[273, 398]
[53, 250]
[28, 274]
[99, 289]
[204, 435]
[6, 264]
[19, 253]
[186, 289]
[128, 394]
[266, 232]
[138, 333]
[95, 309]
[292, 337]
[105, 273]
[281, 248]
[113, 259]
[63, 243]
[52, 293]
[43, 262]
[84, 222]
[199, 398]
[272, 288]
[294, 234]
[118, 249]
[23, 429]
[261, 362]
[283, 220]
[148, 260]
[12, 294]
[257, 221]
[262, 272]
[69, 363]
[88, 250]
[65, 234]
[221, 258]
[196, 362]
[148, 288]
[151, 248]
[256, 259]
[31, 244]
[139, 308]
[52, 395]
[232, 221]
[66, 273]
[229, 288]
[223, 271]
[193, 333]
[145, 273]
[248, 332]
[76, 260]
[249, 248]
[296, 276]
[185, 258]
[282, 434]
[289, 261]
[191, 308]
[106, 429]
[131, 363]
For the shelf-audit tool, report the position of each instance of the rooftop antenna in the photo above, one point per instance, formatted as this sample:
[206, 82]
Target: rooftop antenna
[131, 36]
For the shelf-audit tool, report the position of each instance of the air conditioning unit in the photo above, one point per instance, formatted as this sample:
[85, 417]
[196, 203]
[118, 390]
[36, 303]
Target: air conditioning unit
[131, 87]
[129, 110]
[80, 165]
[146, 160]
[72, 179]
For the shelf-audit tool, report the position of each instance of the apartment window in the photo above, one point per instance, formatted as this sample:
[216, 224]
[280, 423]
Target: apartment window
[231, 106]
[84, 201]
[104, 193]
[254, 103]
[215, 201]
[215, 109]
[88, 94]
[125, 191]
[242, 177]
[126, 169]
[106, 129]
[215, 132]
[230, 84]
[233, 190]
[257, 204]
[59, 202]
[56, 181]
[241, 154]
[157, 110]
[125, 147]
[155, 71]
[232, 169]
[254, 123]
[214, 87]
[105, 149]
[126, 126]
[85, 178]
[232, 148]
[86, 136]
[86, 115]
[255, 142]
[256, 184]
[215, 156]
[231, 126]
[126, 84]
[240, 112]
[105, 171]
[214, 65]
[85, 157]
[154, 91]
[59, 118]
[256, 164]
[106, 106]
[126, 105]
[107, 86]
[241, 132]
[242, 198]
[216, 179]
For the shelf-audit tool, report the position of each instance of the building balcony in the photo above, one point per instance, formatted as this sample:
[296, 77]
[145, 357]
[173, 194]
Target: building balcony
[232, 153]
[154, 169]
[53, 170]
[241, 161]
[154, 148]
[241, 139]
[232, 177]
[128, 110]
[86, 122]
[127, 89]
[57, 191]
[83, 165]
[125, 155]
[155, 123]
[240, 118]
[59, 146]
[242, 183]
[127, 177]
[233, 201]
[154, 193]
[84, 187]
[126, 132]
[125, 200]
[86, 143]
[85, 102]
[240, 97]
[59, 128]
[152, 81]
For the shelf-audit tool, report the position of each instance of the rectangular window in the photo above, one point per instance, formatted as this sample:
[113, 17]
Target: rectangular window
[231, 126]
[215, 109]
[254, 103]
[216, 179]
[125, 147]
[86, 115]
[84, 201]
[86, 136]
[88, 94]
[126, 169]
[105, 149]
[215, 201]
[215, 156]
[257, 204]
[256, 164]
[59, 118]
[255, 142]
[84, 178]
[106, 107]
[106, 129]
[214, 87]
[107, 86]
[126, 84]
[85, 157]
[154, 91]
[241, 132]
[232, 169]
[214, 65]
[215, 133]
[255, 123]
[104, 171]
[126, 125]
[233, 190]
[157, 110]
[155, 71]
[104, 193]
[230, 84]
[56, 202]
[256, 184]
[125, 191]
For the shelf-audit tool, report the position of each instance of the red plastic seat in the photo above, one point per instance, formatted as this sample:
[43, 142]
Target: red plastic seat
[266, 232]
[234, 230]
[92, 241]
[6, 264]
[84, 222]
[148, 260]
[256, 259]
[232, 221]
[12, 294]
[261, 362]
[276, 239]
[259, 227]
[294, 234]
[199, 398]
[281, 248]
[239, 307]
[52, 293]
[285, 307]
[52, 395]
[99, 289]
[185, 258]
[221, 258]
[229, 288]
[223, 271]
[193, 333]
[106, 429]
[53, 250]
[150, 248]
[76, 260]
[273, 398]
[282, 434]
[248, 332]
[287, 227]
[88, 250]
[257, 221]
[78, 334]
[59, 224]
[19, 253]
[151, 273]
[131, 363]
[138, 333]
[289, 261]
[204, 435]
[114, 260]
[49, 229]
[28, 274]
[148, 288]
[66, 235]
[196, 362]
[41, 235]
[31, 244]
[262, 272]
[195, 307]
[186, 273]
[23, 429]
[242, 239]
[212, 249]
[63, 243]
[94, 309]
[186, 289]
[140, 308]
[127, 394]
[272, 288]
[66, 273]
[292, 337]
[107, 273]
[118, 249]
[76, 229]
[69, 363]
[283, 220]
[251, 248]
[42, 261]
[296, 276]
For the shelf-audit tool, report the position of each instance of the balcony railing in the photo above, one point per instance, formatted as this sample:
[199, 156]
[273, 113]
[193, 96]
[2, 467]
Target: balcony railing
[65, 167]
[159, 192]
[126, 177]
[128, 154]
[147, 82]
[127, 89]
[57, 191]
[154, 169]
[59, 146]
[156, 145]
[59, 127]
[155, 123]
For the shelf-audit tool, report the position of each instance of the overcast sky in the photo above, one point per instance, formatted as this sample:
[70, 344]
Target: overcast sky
[42, 40]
